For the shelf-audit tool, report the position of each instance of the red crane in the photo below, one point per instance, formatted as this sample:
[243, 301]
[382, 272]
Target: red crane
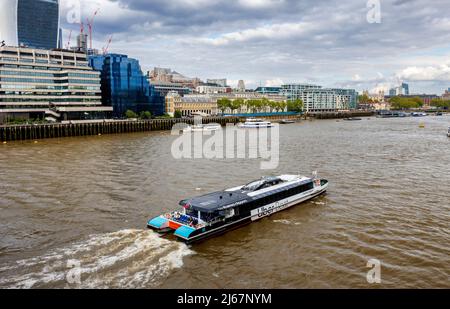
[90, 23]
[105, 49]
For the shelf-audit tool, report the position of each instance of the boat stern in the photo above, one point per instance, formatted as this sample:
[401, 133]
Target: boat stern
[160, 224]
[184, 232]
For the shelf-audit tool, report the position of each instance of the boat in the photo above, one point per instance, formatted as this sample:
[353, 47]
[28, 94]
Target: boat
[253, 123]
[287, 121]
[202, 128]
[219, 212]
[448, 132]
[392, 114]
[352, 119]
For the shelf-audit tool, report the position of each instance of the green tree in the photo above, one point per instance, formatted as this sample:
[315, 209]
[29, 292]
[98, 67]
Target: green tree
[223, 104]
[177, 114]
[145, 115]
[265, 103]
[400, 103]
[295, 106]
[237, 104]
[440, 103]
[130, 114]
[364, 99]
[257, 105]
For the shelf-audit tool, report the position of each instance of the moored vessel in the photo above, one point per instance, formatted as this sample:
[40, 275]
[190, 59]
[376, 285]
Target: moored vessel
[287, 121]
[216, 213]
[202, 128]
[253, 123]
[353, 119]
[419, 114]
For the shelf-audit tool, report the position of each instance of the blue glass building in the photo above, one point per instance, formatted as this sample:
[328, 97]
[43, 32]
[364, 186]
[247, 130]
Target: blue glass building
[30, 23]
[125, 87]
[268, 90]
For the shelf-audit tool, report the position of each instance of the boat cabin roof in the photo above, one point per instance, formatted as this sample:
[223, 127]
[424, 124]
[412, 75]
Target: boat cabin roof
[217, 201]
[224, 200]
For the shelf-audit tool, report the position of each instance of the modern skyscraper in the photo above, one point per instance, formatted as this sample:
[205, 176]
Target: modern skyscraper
[405, 89]
[30, 23]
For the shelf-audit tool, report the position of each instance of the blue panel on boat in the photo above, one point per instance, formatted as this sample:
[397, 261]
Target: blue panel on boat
[184, 232]
[158, 222]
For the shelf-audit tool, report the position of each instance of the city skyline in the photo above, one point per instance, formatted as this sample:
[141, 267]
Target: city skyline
[271, 42]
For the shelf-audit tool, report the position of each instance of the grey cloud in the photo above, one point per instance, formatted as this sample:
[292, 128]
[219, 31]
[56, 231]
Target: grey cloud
[227, 38]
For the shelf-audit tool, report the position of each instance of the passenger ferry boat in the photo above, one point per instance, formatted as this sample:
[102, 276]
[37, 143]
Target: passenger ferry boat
[202, 128]
[216, 213]
[253, 123]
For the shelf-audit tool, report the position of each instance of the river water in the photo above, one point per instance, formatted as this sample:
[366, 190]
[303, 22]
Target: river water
[74, 211]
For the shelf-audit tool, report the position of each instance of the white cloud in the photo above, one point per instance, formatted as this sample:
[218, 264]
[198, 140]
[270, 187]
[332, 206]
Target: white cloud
[426, 73]
[274, 82]
[259, 4]
[271, 32]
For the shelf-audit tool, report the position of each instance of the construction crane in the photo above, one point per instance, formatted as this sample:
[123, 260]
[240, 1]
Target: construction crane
[105, 49]
[70, 38]
[90, 23]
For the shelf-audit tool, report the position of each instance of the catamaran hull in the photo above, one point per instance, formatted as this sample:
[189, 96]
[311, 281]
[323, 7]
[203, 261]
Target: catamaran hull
[256, 215]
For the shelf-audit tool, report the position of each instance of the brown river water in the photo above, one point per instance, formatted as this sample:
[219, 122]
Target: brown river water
[80, 205]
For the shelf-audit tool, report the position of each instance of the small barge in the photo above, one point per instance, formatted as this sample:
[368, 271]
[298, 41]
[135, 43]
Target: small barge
[219, 212]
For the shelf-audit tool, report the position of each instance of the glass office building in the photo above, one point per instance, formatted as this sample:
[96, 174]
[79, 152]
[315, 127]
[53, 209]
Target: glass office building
[54, 85]
[124, 86]
[30, 23]
[268, 90]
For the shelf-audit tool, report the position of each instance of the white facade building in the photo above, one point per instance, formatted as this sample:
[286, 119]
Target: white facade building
[210, 89]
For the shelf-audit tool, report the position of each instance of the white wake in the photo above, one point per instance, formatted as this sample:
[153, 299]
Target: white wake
[124, 259]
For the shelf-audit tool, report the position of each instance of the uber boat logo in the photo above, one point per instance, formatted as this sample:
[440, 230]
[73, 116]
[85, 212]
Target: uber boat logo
[268, 210]
[374, 275]
[230, 143]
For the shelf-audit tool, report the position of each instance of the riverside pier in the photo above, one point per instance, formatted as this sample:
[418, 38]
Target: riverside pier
[42, 131]
[10, 133]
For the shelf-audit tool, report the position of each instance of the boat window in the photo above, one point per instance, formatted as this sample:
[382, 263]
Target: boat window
[191, 212]
[253, 186]
[261, 184]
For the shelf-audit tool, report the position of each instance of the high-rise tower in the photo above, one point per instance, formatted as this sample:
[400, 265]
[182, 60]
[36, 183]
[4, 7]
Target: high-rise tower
[30, 23]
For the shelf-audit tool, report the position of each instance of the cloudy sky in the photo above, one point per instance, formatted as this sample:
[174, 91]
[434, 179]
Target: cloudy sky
[270, 42]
